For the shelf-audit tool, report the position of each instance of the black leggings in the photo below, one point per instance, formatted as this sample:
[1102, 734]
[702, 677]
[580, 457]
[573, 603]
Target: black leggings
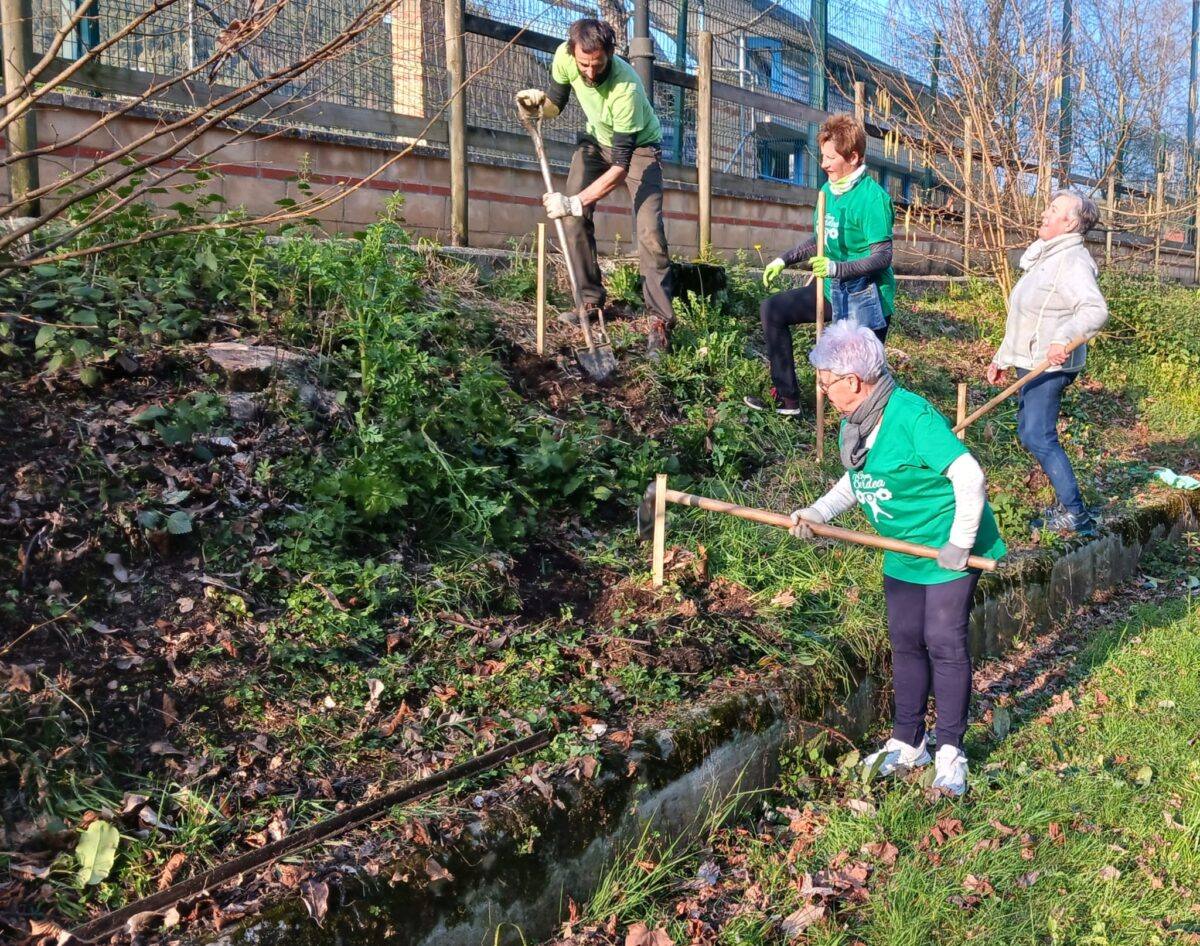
[927, 625]
[778, 313]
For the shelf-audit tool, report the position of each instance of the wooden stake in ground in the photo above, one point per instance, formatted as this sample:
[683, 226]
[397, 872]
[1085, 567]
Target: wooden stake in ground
[961, 413]
[1012, 389]
[660, 527]
[820, 324]
[657, 496]
[541, 288]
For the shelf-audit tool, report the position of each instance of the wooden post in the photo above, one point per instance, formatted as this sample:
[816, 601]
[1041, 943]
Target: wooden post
[456, 73]
[1196, 237]
[968, 161]
[660, 526]
[961, 413]
[704, 136]
[17, 16]
[820, 324]
[1158, 207]
[1111, 202]
[541, 288]
[860, 101]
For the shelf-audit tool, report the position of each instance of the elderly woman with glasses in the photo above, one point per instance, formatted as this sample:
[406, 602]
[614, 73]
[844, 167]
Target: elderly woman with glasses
[915, 481]
[1055, 301]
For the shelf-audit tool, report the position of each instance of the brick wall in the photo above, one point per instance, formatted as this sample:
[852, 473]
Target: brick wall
[505, 200]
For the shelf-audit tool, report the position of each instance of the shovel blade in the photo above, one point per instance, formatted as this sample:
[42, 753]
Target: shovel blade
[645, 514]
[598, 362]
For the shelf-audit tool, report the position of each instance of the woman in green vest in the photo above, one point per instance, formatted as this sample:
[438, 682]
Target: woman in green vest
[914, 480]
[856, 266]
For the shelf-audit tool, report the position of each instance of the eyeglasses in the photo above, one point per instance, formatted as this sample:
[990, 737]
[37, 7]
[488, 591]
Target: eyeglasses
[824, 387]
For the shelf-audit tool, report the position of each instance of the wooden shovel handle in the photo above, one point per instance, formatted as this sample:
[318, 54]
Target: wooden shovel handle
[781, 521]
[1012, 389]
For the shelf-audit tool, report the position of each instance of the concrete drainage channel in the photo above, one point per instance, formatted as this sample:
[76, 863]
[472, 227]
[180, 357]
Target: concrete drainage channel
[732, 740]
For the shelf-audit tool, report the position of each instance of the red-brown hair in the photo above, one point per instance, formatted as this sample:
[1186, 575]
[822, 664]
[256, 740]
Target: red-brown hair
[847, 134]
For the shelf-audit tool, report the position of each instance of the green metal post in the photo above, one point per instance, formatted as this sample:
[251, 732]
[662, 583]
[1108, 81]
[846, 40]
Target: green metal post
[1065, 105]
[680, 63]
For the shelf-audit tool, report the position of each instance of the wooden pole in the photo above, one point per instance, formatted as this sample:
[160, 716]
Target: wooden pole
[781, 521]
[860, 101]
[660, 527]
[968, 161]
[1196, 238]
[961, 413]
[820, 324]
[704, 137]
[456, 73]
[17, 16]
[1012, 389]
[1158, 232]
[541, 288]
[1111, 201]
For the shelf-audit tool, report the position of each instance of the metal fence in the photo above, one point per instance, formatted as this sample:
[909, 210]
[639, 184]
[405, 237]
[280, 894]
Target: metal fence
[398, 68]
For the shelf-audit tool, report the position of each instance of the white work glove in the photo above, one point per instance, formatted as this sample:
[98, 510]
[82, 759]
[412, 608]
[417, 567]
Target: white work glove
[802, 519]
[535, 104]
[953, 557]
[560, 205]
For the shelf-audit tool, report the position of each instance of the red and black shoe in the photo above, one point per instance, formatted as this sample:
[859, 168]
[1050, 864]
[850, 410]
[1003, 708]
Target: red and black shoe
[784, 406]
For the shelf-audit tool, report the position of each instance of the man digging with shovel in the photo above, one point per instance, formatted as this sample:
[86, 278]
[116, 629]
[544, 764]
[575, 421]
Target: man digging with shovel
[622, 144]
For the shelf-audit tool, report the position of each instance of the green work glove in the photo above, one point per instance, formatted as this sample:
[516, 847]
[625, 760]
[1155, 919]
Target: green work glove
[772, 271]
[823, 267]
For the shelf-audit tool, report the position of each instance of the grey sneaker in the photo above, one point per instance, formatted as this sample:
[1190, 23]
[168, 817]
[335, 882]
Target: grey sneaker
[784, 406]
[1063, 521]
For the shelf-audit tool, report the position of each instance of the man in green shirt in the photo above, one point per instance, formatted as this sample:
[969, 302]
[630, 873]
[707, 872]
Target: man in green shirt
[622, 144]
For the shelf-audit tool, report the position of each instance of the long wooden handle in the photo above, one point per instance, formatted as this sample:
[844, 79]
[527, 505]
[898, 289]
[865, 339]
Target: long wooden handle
[1012, 389]
[576, 295]
[781, 521]
[820, 323]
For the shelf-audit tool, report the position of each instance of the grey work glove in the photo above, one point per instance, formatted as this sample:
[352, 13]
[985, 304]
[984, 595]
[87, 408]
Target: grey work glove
[560, 205]
[953, 557]
[802, 519]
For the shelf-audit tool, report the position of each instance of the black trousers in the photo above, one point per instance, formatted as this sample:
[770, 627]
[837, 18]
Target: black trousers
[927, 625]
[778, 313]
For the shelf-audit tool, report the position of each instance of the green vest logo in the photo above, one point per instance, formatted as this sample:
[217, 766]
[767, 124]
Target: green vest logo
[871, 492]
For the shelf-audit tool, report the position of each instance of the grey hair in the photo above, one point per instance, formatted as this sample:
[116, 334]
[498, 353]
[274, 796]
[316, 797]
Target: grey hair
[1086, 212]
[847, 348]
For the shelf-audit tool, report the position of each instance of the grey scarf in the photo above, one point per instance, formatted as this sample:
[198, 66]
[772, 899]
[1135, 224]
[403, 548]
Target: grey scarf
[858, 426]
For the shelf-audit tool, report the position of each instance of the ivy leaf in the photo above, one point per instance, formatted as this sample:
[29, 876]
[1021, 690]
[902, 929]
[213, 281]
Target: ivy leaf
[179, 522]
[152, 413]
[96, 852]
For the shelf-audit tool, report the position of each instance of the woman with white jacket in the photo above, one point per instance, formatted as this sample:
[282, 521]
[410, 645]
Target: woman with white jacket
[1055, 301]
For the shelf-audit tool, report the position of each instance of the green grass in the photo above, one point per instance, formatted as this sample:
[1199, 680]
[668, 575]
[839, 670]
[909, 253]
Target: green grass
[1079, 828]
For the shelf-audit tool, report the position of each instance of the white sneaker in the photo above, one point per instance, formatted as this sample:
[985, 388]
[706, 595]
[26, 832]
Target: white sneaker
[897, 754]
[950, 770]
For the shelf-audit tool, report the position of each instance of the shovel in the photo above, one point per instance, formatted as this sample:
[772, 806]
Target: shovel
[597, 360]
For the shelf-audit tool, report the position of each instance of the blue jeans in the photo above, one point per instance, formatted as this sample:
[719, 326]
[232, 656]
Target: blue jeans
[858, 298]
[1037, 427]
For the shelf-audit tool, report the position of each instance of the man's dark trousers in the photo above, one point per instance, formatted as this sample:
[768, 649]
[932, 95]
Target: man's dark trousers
[645, 184]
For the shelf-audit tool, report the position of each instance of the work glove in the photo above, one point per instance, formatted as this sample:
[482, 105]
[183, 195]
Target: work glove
[535, 104]
[772, 271]
[953, 557]
[823, 267]
[560, 205]
[802, 519]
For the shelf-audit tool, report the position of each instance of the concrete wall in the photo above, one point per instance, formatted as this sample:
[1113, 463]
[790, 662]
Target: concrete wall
[678, 774]
[761, 218]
